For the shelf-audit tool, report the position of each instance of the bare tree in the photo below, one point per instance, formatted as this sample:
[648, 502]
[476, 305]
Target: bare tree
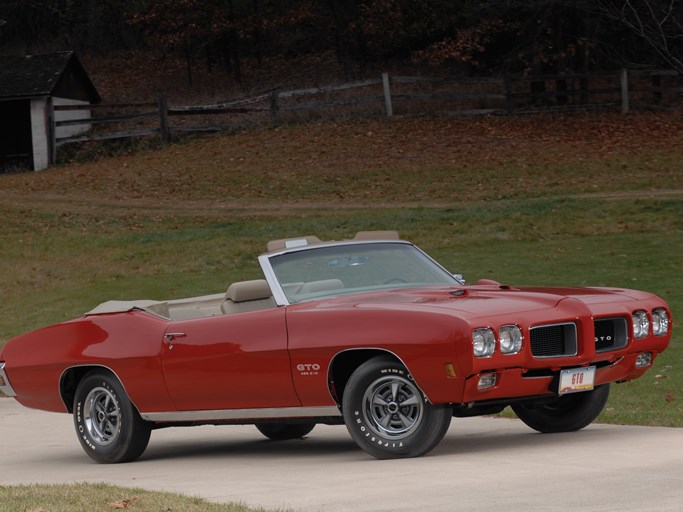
[658, 22]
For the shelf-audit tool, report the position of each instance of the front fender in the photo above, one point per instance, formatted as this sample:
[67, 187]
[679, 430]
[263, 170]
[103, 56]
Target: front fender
[424, 340]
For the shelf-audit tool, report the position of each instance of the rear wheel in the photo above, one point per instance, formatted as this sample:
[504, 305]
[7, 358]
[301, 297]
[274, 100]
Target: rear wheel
[388, 415]
[108, 426]
[565, 414]
[284, 431]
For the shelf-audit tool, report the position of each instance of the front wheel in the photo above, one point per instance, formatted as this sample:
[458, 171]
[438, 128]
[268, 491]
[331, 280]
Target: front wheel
[565, 414]
[108, 425]
[388, 415]
[284, 431]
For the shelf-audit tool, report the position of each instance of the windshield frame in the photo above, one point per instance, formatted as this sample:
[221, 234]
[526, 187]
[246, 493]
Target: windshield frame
[281, 298]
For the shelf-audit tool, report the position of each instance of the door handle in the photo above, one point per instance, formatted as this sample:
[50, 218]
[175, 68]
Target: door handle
[170, 336]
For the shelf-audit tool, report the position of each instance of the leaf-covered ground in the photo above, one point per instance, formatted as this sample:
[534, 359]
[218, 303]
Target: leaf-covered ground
[391, 163]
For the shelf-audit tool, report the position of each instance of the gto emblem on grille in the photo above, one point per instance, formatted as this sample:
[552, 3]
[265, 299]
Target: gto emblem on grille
[603, 338]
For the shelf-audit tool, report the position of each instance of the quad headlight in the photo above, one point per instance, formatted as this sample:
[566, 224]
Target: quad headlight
[510, 338]
[660, 322]
[641, 324]
[483, 342]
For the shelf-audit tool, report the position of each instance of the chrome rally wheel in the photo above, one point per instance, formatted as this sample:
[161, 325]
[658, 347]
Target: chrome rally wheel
[102, 416]
[392, 407]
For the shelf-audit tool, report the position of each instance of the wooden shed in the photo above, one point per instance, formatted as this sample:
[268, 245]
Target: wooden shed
[29, 87]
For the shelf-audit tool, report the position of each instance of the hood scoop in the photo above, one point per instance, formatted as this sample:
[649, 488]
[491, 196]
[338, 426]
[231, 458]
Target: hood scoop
[490, 285]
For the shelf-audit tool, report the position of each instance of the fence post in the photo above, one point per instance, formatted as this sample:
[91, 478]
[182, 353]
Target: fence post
[387, 95]
[509, 104]
[656, 89]
[273, 107]
[164, 129]
[624, 91]
[583, 88]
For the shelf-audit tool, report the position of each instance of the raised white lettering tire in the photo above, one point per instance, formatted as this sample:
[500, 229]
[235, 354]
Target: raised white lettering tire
[388, 415]
[108, 426]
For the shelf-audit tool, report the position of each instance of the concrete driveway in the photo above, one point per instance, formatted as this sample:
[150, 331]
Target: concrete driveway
[482, 464]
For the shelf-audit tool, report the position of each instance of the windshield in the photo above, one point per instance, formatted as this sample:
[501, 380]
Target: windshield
[355, 268]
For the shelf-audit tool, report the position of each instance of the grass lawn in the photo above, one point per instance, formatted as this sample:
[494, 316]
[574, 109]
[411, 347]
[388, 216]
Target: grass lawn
[575, 200]
[96, 497]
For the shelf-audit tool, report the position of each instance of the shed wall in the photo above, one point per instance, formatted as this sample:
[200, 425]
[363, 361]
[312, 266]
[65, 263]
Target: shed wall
[40, 131]
[67, 115]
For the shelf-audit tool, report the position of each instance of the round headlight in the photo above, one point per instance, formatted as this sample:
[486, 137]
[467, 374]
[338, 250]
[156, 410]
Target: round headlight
[660, 322]
[510, 339]
[641, 324]
[483, 342]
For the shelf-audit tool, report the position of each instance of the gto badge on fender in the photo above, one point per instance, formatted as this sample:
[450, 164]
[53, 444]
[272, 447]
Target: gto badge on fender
[308, 368]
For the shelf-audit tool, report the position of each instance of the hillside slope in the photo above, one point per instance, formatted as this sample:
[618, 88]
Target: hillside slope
[390, 163]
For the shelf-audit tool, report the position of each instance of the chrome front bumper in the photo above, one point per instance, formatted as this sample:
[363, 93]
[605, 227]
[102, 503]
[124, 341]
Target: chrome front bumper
[4, 382]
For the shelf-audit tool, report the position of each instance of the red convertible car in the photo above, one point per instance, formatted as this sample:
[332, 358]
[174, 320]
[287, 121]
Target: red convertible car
[370, 332]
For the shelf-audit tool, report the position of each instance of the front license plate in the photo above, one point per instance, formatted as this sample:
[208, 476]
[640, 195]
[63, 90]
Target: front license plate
[576, 380]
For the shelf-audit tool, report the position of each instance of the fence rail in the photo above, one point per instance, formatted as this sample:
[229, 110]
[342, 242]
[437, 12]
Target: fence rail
[387, 96]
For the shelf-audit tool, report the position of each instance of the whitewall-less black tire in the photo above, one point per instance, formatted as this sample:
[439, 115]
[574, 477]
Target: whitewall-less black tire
[108, 425]
[565, 414]
[276, 431]
[388, 415]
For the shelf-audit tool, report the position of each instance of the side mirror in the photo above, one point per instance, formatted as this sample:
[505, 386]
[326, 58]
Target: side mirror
[459, 278]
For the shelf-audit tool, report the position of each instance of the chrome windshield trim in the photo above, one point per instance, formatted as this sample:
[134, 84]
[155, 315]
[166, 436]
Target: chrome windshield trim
[6, 388]
[268, 272]
[242, 414]
[340, 243]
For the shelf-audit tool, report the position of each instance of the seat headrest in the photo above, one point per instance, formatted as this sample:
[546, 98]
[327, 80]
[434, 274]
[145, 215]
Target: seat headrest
[286, 243]
[248, 290]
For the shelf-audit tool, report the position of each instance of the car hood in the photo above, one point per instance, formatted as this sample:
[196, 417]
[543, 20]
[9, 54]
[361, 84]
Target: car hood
[475, 301]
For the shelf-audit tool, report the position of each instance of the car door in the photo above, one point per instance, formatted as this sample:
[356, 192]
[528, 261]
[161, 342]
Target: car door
[236, 361]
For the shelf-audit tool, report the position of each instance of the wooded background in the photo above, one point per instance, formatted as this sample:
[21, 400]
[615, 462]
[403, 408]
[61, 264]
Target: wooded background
[437, 37]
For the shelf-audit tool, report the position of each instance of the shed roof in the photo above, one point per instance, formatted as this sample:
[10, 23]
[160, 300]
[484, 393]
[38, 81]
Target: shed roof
[29, 76]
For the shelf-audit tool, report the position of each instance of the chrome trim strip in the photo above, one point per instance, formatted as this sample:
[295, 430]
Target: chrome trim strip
[6, 388]
[458, 280]
[269, 274]
[242, 414]
[333, 244]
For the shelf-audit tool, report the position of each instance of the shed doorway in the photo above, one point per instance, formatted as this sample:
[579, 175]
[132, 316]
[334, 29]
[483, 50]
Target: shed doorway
[16, 148]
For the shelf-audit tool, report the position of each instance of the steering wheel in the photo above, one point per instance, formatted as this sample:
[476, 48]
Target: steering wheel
[395, 280]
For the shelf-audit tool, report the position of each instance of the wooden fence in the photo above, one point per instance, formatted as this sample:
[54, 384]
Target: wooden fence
[386, 96]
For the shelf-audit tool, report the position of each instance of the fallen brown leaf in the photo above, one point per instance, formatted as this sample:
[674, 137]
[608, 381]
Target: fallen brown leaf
[122, 504]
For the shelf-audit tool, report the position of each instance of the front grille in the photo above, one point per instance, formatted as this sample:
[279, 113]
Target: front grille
[610, 334]
[557, 340]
